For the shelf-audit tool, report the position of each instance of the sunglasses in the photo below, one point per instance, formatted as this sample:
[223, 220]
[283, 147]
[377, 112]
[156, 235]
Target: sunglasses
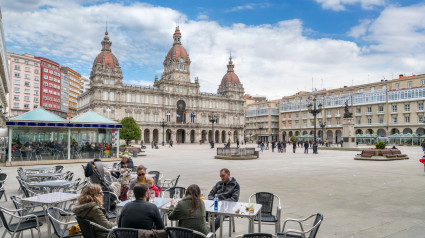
[141, 174]
[101, 193]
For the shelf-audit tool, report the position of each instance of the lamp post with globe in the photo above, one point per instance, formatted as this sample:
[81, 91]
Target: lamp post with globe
[314, 109]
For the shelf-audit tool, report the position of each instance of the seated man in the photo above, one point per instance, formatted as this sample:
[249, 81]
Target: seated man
[140, 213]
[227, 190]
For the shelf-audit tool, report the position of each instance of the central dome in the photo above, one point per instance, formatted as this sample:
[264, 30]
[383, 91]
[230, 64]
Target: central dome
[106, 58]
[230, 77]
[177, 51]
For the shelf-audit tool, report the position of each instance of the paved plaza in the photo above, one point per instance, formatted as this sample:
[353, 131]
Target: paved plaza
[357, 198]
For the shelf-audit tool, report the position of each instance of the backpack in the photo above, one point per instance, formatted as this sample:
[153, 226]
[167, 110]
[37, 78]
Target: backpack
[88, 171]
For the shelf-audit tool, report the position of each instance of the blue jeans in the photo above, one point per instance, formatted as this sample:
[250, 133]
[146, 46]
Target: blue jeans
[306, 150]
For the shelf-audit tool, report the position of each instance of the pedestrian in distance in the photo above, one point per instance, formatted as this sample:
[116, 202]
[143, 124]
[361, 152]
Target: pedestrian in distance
[273, 145]
[294, 146]
[306, 144]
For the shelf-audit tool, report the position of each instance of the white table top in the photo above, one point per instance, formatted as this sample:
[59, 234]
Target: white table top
[53, 183]
[51, 198]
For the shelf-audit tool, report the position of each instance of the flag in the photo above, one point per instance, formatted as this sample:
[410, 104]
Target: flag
[185, 112]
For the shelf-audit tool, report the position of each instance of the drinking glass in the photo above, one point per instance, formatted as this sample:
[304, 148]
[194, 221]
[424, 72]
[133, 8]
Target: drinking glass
[152, 193]
[130, 194]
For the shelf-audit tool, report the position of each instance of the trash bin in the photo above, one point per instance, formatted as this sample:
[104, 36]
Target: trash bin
[134, 153]
[257, 153]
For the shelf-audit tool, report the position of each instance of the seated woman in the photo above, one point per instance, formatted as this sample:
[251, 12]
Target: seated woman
[141, 176]
[90, 207]
[190, 211]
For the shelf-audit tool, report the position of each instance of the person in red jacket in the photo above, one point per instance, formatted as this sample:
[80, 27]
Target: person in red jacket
[152, 186]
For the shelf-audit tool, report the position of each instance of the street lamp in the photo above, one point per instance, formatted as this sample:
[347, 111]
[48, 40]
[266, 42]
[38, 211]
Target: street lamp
[314, 109]
[261, 128]
[163, 124]
[213, 119]
[322, 125]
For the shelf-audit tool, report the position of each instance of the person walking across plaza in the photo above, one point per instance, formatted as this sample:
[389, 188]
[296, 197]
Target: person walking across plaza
[262, 146]
[226, 190]
[294, 146]
[423, 145]
[170, 144]
[273, 145]
[306, 144]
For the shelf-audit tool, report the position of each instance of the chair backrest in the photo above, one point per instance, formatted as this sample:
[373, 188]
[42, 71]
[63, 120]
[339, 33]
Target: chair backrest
[1, 192]
[156, 176]
[18, 204]
[3, 177]
[3, 218]
[181, 190]
[54, 221]
[258, 235]
[318, 220]
[23, 187]
[77, 183]
[179, 232]
[126, 233]
[58, 168]
[266, 200]
[87, 230]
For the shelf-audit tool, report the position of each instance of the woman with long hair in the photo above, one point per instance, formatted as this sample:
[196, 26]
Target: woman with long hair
[90, 207]
[190, 211]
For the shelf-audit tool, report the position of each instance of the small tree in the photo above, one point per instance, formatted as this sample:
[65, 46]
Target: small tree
[380, 145]
[293, 138]
[130, 130]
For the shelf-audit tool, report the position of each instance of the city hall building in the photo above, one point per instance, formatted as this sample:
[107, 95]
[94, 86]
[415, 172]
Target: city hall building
[174, 99]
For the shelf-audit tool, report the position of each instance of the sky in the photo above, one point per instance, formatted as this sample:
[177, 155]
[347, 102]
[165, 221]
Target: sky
[279, 47]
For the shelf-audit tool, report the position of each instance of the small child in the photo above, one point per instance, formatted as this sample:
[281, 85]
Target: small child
[152, 186]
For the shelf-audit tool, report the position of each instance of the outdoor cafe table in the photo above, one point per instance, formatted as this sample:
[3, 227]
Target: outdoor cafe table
[53, 184]
[159, 202]
[45, 175]
[50, 199]
[228, 208]
[39, 169]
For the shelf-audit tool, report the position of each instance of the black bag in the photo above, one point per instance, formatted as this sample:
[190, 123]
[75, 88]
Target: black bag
[89, 169]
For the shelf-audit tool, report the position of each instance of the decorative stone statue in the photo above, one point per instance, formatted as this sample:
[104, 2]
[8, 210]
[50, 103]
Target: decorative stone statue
[347, 114]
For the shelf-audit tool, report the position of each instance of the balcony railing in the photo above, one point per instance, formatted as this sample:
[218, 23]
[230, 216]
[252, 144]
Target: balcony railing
[368, 113]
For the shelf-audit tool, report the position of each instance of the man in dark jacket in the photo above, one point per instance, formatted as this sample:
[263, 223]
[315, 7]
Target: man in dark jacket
[227, 190]
[126, 162]
[140, 214]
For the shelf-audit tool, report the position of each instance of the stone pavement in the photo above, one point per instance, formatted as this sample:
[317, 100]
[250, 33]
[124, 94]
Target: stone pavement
[357, 198]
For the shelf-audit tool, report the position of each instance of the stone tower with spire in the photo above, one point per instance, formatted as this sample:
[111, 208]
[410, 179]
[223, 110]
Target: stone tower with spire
[230, 85]
[106, 70]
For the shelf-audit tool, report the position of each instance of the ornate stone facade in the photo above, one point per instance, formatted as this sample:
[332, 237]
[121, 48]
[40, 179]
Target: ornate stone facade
[174, 99]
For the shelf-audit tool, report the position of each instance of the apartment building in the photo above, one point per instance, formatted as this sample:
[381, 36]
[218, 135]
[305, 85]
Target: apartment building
[4, 77]
[85, 84]
[25, 82]
[74, 89]
[64, 91]
[262, 121]
[380, 109]
[50, 86]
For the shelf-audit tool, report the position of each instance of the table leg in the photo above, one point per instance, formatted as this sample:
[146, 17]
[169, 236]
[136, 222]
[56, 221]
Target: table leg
[221, 225]
[259, 222]
[212, 222]
[49, 231]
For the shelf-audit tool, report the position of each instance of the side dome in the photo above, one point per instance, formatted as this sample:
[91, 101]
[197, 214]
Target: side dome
[106, 57]
[177, 51]
[230, 77]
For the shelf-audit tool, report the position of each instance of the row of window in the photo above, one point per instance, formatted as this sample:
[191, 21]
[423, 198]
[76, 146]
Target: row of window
[46, 70]
[45, 98]
[56, 80]
[51, 85]
[26, 98]
[52, 66]
[26, 106]
[45, 105]
[27, 69]
[26, 61]
[53, 92]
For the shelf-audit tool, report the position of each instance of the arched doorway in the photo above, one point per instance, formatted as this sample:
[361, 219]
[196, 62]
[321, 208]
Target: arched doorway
[180, 136]
[369, 131]
[305, 132]
[284, 136]
[192, 136]
[210, 136]
[217, 136]
[290, 134]
[420, 131]
[168, 135]
[235, 136]
[381, 133]
[146, 136]
[155, 135]
[358, 131]
[338, 136]
[329, 136]
[407, 131]
[394, 131]
[204, 135]
[223, 137]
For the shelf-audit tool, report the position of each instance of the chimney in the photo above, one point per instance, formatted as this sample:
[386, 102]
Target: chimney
[400, 76]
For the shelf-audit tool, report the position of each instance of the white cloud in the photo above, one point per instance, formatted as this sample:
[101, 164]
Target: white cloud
[360, 29]
[250, 6]
[273, 60]
[340, 5]
[202, 17]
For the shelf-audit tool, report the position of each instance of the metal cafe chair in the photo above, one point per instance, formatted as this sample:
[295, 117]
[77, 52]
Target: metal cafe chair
[292, 233]
[24, 223]
[266, 199]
